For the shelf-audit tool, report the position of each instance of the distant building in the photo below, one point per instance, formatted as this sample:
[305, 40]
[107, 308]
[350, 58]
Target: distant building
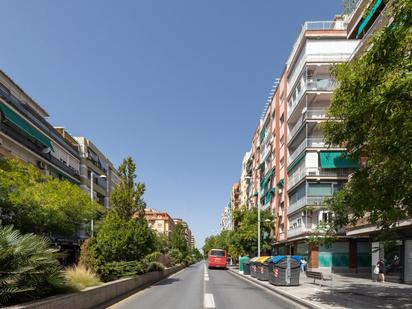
[159, 221]
[105, 176]
[226, 220]
[235, 197]
[187, 231]
[245, 181]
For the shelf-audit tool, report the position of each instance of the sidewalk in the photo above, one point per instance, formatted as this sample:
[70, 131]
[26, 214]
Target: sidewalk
[345, 291]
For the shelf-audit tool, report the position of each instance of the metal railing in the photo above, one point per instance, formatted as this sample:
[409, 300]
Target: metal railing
[317, 85]
[308, 142]
[309, 114]
[305, 201]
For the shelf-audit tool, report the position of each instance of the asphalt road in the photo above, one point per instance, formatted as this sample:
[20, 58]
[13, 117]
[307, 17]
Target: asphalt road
[197, 287]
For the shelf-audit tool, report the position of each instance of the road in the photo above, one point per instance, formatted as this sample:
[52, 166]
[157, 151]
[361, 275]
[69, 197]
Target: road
[196, 287]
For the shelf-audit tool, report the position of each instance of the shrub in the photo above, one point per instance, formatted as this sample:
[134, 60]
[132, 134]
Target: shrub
[29, 269]
[155, 266]
[87, 254]
[121, 240]
[116, 270]
[153, 257]
[176, 256]
[80, 277]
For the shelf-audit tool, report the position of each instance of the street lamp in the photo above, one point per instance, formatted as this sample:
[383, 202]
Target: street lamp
[249, 177]
[92, 174]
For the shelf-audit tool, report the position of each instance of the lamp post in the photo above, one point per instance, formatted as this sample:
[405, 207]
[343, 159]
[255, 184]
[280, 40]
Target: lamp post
[92, 195]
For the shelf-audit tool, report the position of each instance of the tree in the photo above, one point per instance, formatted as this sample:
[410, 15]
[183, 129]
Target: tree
[121, 240]
[28, 267]
[178, 239]
[373, 106]
[34, 202]
[127, 197]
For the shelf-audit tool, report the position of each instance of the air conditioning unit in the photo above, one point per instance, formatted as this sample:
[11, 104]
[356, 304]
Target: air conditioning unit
[41, 165]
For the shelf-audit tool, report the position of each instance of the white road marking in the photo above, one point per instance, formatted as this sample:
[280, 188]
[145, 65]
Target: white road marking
[209, 302]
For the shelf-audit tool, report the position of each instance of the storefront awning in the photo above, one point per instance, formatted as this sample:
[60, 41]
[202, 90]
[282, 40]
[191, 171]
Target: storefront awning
[23, 125]
[336, 159]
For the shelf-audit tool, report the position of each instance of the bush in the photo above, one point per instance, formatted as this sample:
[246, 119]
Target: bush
[80, 277]
[176, 256]
[29, 269]
[153, 257]
[155, 266]
[121, 240]
[87, 254]
[116, 270]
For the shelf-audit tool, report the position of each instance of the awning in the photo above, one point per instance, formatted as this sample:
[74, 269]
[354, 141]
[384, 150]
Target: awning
[296, 161]
[267, 197]
[256, 194]
[336, 159]
[23, 125]
[281, 183]
[368, 18]
[273, 190]
[266, 178]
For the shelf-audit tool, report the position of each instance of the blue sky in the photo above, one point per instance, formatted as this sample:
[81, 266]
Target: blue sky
[178, 85]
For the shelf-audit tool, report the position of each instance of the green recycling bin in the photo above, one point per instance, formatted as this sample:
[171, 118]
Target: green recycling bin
[242, 261]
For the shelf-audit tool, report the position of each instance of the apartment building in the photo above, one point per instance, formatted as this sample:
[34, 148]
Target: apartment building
[161, 222]
[94, 164]
[367, 18]
[293, 170]
[235, 197]
[245, 181]
[26, 134]
[226, 219]
[187, 231]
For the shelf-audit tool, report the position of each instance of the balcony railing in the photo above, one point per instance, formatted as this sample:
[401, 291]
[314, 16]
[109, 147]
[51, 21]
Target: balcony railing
[307, 143]
[306, 201]
[309, 114]
[325, 84]
[297, 231]
[297, 176]
[264, 153]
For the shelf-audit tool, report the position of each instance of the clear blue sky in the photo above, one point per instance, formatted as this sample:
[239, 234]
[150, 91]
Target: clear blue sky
[178, 85]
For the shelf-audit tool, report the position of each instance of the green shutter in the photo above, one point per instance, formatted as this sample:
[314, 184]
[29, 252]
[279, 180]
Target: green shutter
[23, 125]
[267, 197]
[281, 183]
[336, 159]
[368, 18]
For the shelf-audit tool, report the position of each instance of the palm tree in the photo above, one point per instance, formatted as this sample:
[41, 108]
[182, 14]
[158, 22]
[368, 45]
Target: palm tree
[29, 268]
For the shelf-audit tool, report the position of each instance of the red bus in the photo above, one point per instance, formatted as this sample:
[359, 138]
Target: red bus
[217, 258]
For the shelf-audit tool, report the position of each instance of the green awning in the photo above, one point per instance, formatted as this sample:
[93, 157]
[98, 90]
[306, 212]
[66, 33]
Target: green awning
[368, 18]
[262, 134]
[281, 183]
[267, 197]
[266, 178]
[296, 161]
[336, 159]
[273, 190]
[256, 194]
[23, 125]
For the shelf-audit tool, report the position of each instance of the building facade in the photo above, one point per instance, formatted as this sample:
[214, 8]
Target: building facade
[161, 222]
[245, 185]
[226, 220]
[293, 171]
[26, 134]
[187, 231]
[235, 197]
[95, 164]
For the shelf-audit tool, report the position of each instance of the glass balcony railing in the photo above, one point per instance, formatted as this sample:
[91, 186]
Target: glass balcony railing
[315, 84]
[305, 201]
[308, 142]
[309, 114]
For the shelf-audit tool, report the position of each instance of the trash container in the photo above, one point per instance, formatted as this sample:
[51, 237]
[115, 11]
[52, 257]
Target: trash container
[253, 267]
[263, 268]
[284, 270]
[242, 261]
[246, 268]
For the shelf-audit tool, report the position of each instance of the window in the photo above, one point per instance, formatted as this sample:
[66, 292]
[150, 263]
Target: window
[282, 119]
[282, 140]
[320, 189]
[299, 222]
[282, 162]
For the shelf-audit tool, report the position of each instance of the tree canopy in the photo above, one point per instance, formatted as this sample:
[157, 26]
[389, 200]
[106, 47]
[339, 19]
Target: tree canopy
[373, 106]
[34, 202]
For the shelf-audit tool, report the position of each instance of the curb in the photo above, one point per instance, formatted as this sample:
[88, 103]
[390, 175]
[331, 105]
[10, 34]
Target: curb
[289, 296]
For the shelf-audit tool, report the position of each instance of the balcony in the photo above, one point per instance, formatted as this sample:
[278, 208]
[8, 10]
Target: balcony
[310, 114]
[264, 153]
[314, 142]
[305, 201]
[313, 84]
[301, 229]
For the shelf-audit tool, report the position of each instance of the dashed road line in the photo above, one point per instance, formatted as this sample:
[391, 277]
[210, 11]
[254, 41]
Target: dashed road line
[209, 301]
